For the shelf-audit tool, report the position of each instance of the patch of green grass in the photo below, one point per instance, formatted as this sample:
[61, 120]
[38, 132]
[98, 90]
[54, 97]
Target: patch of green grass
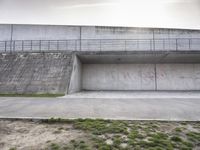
[55, 146]
[78, 145]
[31, 95]
[100, 126]
[13, 148]
[176, 139]
[178, 129]
[136, 134]
[193, 136]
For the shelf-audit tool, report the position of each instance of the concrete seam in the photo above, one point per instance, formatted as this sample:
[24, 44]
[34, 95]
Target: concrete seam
[155, 70]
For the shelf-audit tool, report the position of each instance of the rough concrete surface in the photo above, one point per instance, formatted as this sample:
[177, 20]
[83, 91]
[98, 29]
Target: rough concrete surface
[141, 77]
[118, 77]
[34, 72]
[185, 109]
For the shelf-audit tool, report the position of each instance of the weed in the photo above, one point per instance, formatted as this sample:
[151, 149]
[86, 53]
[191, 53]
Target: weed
[13, 148]
[99, 126]
[54, 146]
[176, 139]
[178, 129]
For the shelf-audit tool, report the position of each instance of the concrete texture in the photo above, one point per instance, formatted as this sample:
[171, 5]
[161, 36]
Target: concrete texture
[56, 73]
[109, 37]
[76, 76]
[118, 77]
[179, 109]
[138, 57]
[45, 32]
[178, 76]
[141, 77]
[135, 94]
[5, 32]
[34, 73]
[140, 71]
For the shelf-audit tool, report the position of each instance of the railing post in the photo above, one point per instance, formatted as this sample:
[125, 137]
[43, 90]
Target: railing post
[13, 45]
[66, 45]
[48, 45]
[100, 44]
[154, 44]
[163, 44]
[80, 44]
[176, 44]
[22, 45]
[5, 46]
[10, 46]
[31, 46]
[189, 44]
[75, 45]
[125, 45]
[40, 45]
[150, 45]
[57, 46]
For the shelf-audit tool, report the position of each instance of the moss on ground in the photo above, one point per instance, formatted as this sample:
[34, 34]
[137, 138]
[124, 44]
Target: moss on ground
[125, 135]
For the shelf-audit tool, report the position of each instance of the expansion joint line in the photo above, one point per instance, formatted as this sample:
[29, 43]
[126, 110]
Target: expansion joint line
[155, 75]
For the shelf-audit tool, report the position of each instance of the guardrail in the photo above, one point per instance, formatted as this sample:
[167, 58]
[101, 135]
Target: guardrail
[178, 44]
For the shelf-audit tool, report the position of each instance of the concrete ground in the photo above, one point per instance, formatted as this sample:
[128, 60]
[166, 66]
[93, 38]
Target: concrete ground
[134, 94]
[131, 108]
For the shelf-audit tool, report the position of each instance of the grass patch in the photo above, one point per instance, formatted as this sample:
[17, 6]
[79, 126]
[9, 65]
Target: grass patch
[31, 95]
[54, 146]
[100, 126]
[133, 134]
[13, 148]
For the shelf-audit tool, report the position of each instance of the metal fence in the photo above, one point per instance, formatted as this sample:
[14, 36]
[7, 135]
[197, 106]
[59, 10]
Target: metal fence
[184, 44]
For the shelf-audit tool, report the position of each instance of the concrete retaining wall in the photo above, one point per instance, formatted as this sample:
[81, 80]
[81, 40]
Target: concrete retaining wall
[141, 77]
[34, 73]
[76, 76]
[178, 76]
[118, 77]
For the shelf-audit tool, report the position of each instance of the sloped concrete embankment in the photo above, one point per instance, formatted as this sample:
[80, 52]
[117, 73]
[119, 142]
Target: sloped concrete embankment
[34, 73]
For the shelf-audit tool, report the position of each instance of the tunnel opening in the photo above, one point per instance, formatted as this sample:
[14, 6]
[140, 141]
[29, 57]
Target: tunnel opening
[140, 71]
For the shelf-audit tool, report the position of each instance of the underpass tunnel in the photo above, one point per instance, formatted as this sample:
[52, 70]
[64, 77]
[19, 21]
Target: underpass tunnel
[135, 71]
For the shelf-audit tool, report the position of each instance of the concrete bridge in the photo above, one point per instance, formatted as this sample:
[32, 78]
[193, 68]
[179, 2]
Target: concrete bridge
[69, 59]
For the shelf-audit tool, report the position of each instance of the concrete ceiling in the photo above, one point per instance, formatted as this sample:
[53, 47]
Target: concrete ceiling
[139, 57]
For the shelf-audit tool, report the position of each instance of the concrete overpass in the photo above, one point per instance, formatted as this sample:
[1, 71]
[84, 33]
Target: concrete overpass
[68, 59]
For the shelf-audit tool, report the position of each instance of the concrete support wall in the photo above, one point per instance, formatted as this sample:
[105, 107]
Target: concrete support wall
[141, 77]
[118, 77]
[76, 76]
[178, 76]
[32, 73]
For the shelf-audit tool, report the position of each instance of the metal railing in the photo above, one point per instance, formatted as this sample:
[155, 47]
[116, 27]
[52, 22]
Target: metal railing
[178, 44]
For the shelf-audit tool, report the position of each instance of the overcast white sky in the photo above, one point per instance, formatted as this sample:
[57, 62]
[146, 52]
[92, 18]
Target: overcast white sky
[136, 13]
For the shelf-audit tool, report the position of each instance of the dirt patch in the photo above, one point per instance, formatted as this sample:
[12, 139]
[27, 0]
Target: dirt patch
[26, 135]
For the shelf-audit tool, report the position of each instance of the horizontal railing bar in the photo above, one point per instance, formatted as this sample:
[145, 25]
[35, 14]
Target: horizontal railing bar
[108, 39]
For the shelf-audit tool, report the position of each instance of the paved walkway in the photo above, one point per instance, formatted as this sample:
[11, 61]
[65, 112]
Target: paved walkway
[112, 108]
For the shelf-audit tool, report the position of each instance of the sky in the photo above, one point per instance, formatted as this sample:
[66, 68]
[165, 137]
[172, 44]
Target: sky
[133, 13]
